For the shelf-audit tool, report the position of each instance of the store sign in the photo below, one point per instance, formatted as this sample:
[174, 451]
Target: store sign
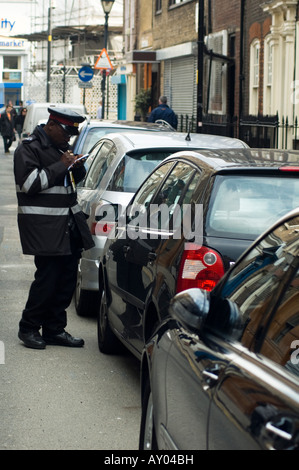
[7, 24]
[12, 25]
[12, 43]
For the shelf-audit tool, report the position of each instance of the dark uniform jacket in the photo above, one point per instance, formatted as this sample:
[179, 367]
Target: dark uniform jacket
[46, 200]
[163, 111]
[7, 125]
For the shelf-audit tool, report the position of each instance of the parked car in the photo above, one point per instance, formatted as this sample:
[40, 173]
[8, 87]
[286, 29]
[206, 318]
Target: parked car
[214, 204]
[93, 130]
[118, 164]
[222, 371]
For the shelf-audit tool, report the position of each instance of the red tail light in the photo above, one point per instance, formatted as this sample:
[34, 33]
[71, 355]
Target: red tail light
[201, 268]
[102, 228]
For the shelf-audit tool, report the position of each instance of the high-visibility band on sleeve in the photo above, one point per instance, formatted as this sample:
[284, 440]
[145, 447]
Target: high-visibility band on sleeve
[31, 179]
[75, 209]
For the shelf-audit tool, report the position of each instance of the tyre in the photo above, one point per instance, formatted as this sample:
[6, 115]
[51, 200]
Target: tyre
[87, 303]
[107, 341]
[147, 439]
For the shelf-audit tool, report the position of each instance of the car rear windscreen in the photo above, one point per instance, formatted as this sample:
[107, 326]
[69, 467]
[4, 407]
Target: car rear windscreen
[245, 206]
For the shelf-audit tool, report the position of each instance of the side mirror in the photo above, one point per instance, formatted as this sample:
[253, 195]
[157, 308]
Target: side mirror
[191, 308]
[196, 310]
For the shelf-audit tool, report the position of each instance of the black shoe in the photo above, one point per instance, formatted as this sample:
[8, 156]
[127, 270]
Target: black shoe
[64, 339]
[32, 339]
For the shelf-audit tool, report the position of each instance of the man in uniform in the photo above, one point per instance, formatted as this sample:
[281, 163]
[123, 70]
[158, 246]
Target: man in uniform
[52, 226]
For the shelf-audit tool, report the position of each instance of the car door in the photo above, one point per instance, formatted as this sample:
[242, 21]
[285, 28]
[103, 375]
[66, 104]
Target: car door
[255, 401]
[124, 281]
[102, 156]
[159, 224]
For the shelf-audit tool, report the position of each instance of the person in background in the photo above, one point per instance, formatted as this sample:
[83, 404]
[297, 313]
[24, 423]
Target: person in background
[164, 112]
[100, 111]
[7, 128]
[52, 226]
[13, 111]
[19, 121]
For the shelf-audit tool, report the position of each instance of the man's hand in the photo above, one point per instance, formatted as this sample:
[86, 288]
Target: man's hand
[68, 158]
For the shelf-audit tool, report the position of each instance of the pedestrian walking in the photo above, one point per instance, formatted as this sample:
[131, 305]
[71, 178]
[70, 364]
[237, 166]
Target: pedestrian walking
[100, 111]
[7, 128]
[164, 112]
[19, 121]
[52, 227]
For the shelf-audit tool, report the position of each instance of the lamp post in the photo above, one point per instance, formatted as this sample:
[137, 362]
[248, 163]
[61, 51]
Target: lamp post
[49, 48]
[106, 5]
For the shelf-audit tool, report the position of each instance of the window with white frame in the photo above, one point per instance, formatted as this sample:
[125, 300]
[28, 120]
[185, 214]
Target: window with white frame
[254, 77]
[158, 5]
[176, 2]
[268, 74]
[215, 74]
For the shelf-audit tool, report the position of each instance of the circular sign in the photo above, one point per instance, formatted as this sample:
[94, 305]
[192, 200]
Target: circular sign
[85, 74]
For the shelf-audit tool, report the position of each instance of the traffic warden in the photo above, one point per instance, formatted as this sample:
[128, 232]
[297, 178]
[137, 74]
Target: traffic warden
[52, 226]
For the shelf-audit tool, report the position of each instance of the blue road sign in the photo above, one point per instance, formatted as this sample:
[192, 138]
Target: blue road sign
[85, 74]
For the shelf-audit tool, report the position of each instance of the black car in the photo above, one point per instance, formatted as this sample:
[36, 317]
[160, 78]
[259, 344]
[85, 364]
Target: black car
[214, 204]
[222, 371]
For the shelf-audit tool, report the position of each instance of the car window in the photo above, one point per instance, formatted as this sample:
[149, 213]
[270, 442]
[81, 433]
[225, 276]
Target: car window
[146, 192]
[134, 168]
[100, 164]
[281, 343]
[176, 189]
[255, 283]
[94, 134]
[245, 206]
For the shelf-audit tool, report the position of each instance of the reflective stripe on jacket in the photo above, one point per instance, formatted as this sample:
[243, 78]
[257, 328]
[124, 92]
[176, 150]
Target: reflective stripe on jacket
[45, 205]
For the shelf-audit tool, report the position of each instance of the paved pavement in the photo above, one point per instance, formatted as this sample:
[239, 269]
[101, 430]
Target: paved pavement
[57, 398]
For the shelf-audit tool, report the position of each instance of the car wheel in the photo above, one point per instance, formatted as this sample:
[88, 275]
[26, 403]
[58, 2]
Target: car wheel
[107, 341]
[86, 302]
[147, 440]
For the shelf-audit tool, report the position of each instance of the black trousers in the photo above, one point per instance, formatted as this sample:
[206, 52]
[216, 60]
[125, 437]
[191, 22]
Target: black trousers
[50, 294]
[7, 141]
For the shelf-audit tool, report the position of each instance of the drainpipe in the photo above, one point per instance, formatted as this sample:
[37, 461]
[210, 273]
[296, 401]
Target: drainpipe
[295, 62]
[200, 57]
[241, 75]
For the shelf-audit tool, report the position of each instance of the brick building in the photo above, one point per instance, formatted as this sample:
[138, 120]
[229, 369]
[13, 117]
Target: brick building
[250, 68]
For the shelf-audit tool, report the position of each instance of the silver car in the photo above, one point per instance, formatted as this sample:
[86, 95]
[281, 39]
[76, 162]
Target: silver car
[117, 166]
[91, 131]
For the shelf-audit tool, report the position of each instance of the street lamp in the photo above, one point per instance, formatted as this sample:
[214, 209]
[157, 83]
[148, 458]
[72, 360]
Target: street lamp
[51, 6]
[106, 5]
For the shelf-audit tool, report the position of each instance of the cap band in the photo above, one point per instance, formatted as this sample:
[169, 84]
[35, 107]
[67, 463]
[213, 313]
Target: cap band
[64, 121]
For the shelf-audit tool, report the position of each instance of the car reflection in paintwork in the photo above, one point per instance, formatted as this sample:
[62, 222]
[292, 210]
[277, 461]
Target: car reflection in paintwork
[222, 371]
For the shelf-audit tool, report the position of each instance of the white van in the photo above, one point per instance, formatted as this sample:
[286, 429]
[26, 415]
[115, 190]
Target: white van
[38, 113]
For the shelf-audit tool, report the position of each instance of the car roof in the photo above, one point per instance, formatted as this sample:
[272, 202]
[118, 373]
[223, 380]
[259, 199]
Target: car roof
[91, 123]
[143, 140]
[220, 159]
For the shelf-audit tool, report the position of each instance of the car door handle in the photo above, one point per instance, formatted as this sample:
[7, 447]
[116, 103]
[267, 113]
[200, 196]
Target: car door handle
[210, 374]
[152, 256]
[270, 427]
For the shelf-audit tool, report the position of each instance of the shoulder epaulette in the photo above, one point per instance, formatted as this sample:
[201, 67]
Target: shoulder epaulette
[29, 139]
